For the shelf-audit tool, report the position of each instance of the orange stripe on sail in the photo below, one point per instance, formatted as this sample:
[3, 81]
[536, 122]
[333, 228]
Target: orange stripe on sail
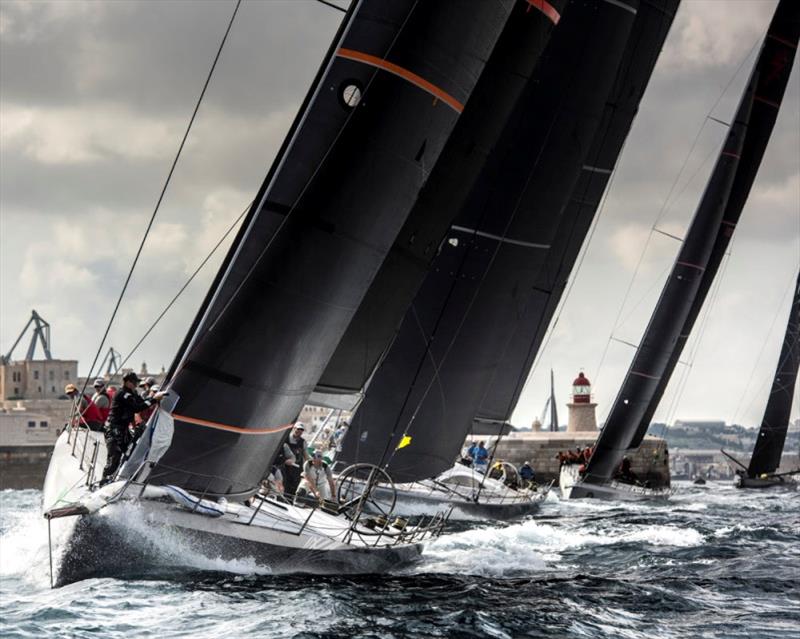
[228, 427]
[546, 8]
[400, 72]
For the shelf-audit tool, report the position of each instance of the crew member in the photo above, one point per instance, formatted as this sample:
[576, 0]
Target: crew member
[527, 475]
[295, 455]
[480, 457]
[317, 480]
[625, 472]
[124, 406]
[89, 413]
[101, 398]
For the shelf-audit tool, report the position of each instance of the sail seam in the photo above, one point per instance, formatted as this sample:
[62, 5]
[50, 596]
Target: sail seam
[405, 74]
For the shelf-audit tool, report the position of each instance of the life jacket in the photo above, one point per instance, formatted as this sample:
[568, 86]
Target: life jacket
[92, 413]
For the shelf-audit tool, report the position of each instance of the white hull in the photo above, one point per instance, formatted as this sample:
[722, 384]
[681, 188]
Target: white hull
[572, 486]
[125, 527]
[468, 493]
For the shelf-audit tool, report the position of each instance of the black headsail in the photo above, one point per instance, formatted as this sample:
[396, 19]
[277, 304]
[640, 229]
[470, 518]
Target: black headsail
[430, 383]
[390, 92]
[451, 180]
[650, 29]
[663, 342]
[775, 423]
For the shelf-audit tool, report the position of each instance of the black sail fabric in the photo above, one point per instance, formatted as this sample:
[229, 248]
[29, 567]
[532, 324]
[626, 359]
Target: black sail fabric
[392, 89]
[775, 423]
[429, 384]
[506, 74]
[772, 70]
[769, 78]
[626, 422]
[653, 21]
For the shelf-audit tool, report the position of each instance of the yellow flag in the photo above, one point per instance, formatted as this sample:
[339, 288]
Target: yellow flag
[404, 442]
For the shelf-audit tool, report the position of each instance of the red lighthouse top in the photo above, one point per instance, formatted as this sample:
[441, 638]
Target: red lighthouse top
[581, 390]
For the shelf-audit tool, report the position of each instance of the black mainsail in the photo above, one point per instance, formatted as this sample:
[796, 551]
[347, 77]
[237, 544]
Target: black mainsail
[475, 136]
[389, 93]
[653, 21]
[431, 380]
[700, 254]
[775, 423]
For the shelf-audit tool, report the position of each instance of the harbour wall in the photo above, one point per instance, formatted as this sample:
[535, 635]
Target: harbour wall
[650, 461]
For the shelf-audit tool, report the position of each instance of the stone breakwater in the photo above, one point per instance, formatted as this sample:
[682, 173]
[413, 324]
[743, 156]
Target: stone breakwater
[650, 461]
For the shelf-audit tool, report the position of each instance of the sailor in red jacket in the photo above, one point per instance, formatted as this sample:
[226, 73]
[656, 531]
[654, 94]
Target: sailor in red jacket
[89, 414]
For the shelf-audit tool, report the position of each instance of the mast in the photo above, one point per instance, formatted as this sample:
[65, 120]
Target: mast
[431, 380]
[700, 255]
[393, 87]
[775, 423]
[553, 407]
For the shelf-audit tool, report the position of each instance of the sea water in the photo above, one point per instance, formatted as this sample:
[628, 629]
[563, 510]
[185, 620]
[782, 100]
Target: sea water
[712, 562]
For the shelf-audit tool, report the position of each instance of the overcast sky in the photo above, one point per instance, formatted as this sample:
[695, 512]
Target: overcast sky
[94, 98]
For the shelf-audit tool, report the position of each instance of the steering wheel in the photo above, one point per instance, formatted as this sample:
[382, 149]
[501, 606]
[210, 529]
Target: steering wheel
[357, 488]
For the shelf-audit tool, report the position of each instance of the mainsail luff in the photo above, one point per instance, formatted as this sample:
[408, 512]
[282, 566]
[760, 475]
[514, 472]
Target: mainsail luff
[628, 419]
[321, 226]
[772, 70]
[653, 21]
[451, 180]
[775, 423]
[432, 379]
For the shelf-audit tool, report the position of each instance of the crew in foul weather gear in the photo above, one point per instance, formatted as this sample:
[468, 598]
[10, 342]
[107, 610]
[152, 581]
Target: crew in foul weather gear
[101, 398]
[124, 406]
[480, 457]
[295, 455]
[89, 413]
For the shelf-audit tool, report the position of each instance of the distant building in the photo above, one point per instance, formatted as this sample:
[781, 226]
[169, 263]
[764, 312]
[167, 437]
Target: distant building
[37, 378]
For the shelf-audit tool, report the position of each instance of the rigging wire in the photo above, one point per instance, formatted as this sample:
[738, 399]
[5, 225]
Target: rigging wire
[161, 197]
[669, 201]
[327, 3]
[767, 337]
[185, 286]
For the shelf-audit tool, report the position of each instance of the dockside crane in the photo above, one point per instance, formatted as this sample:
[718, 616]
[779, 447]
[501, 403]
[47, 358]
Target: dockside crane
[41, 333]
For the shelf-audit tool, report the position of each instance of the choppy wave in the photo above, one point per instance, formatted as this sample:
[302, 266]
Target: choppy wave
[714, 562]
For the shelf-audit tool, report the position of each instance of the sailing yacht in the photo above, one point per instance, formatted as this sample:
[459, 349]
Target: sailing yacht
[385, 101]
[475, 321]
[694, 269]
[762, 471]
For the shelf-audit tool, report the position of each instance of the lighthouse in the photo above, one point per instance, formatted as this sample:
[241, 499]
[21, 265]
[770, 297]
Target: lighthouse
[582, 417]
